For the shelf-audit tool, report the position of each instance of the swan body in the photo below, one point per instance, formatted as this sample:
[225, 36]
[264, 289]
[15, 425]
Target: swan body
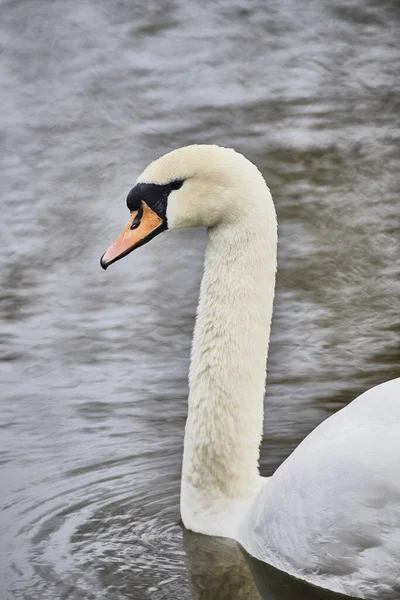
[331, 512]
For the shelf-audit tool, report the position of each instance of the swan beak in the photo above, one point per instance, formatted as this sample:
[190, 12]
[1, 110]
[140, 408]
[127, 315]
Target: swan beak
[143, 225]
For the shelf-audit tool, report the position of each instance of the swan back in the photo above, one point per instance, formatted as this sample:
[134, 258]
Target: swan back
[331, 512]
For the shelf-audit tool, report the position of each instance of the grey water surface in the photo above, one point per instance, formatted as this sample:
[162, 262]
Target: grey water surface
[94, 365]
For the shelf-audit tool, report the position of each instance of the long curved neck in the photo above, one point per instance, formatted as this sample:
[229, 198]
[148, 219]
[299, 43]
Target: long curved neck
[227, 374]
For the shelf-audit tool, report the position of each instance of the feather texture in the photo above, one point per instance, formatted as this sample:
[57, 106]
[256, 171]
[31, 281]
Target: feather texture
[331, 512]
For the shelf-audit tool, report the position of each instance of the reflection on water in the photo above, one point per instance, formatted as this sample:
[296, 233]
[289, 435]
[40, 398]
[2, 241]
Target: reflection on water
[94, 368]
[217, 569]
[276, 585]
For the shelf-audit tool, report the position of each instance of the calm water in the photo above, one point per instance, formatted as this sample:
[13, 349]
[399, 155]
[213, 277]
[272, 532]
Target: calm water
[94, 365]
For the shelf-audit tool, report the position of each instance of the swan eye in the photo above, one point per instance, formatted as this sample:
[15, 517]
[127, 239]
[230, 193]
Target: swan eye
[176, 185]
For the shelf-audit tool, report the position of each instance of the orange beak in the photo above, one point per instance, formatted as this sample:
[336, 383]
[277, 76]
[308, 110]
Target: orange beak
[143, 225]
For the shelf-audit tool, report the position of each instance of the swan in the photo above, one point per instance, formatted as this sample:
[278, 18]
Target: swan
[330, 514]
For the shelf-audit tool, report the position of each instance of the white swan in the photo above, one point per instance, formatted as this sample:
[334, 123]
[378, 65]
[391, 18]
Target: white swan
[331, 512]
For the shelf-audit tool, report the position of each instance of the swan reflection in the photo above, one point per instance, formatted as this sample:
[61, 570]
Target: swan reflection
[219, 569]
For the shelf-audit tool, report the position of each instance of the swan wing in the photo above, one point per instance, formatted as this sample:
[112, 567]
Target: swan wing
[331, 512]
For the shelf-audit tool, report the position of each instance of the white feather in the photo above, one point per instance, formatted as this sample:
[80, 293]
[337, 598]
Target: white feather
[331, 512]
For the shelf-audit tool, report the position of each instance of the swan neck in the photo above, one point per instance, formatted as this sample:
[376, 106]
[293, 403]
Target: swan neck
[227, 372]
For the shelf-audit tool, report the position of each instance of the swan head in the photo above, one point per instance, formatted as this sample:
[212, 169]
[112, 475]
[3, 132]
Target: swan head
[193, 186]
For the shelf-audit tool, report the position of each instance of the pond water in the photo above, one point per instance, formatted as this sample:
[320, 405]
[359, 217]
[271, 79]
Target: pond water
[94, 365]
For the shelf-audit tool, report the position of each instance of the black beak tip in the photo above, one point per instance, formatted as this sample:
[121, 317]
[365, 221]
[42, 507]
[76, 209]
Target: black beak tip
[103, 263]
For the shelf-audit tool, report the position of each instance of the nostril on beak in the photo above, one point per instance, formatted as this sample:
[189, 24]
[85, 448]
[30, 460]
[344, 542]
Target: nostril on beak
[137, 219]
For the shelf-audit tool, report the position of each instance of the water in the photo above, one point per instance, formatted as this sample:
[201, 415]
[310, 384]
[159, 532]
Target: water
[94, 365]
